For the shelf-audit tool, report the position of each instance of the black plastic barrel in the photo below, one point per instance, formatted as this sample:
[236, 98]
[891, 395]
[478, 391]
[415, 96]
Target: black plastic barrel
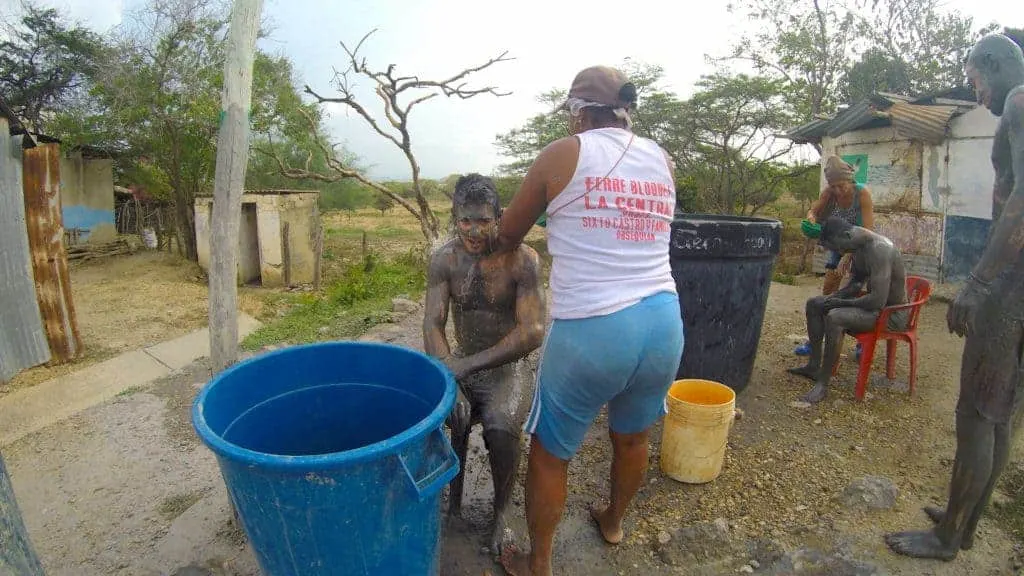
[723, 267]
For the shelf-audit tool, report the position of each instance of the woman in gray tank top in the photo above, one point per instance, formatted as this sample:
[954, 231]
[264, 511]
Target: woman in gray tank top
[842, 198]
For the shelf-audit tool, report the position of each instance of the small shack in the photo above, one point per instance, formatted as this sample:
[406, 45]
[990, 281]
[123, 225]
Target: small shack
[277, 240]
[87, 196]
[926, 161]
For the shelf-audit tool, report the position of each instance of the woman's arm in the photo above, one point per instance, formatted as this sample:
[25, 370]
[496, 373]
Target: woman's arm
[532, 198]
[867, 209]
[814, 214]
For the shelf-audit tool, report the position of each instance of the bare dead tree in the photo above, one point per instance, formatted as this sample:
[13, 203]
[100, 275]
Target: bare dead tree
[399, 94]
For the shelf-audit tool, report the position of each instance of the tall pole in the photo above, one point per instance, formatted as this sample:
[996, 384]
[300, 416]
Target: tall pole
[232, 158]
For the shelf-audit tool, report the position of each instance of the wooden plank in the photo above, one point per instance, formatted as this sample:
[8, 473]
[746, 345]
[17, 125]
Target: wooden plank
[286, 254]
[319, 255]
[45, 227]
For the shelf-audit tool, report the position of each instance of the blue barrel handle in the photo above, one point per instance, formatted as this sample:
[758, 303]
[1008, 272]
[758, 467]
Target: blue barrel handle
[436, 479]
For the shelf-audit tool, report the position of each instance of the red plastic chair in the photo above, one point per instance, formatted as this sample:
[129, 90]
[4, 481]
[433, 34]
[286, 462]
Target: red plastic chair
[918, 292]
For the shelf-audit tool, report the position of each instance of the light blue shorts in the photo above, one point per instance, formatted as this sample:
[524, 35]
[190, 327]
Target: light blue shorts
[626, 360]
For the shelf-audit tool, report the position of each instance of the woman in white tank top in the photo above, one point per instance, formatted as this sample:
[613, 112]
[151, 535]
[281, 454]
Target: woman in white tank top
[617, 334]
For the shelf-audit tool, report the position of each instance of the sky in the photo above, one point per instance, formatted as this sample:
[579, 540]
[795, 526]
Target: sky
[549, 40]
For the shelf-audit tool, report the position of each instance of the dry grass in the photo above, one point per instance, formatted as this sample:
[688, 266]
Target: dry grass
[128, 302]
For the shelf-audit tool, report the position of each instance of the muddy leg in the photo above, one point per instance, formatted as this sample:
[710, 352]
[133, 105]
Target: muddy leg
[546, 479]
[1001, 457]
[837, 322]
[629, 466]
[815, 313]
[503, 450]
[972, 472]
[460, 441]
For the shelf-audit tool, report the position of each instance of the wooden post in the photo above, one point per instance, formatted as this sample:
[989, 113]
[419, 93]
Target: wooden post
[319, 255]
[286, 254]
[232, 157]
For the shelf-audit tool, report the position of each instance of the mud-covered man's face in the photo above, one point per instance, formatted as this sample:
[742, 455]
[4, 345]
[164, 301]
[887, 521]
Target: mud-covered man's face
[477, 225]
[980, 83]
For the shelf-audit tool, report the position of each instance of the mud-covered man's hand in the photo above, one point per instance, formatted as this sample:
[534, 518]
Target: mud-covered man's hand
[458, 421]
[832, 302]
[458, 366]
[962, 315]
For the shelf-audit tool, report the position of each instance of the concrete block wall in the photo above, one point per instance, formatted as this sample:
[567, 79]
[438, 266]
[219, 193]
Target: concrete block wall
[87, 198]
[266, 219]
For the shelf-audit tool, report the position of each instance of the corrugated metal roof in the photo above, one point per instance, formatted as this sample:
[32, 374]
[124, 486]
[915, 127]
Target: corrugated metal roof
[926, 118]
[929, 124]
[810, 132]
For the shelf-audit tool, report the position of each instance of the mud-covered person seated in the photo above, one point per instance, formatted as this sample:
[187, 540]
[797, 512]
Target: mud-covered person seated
[498, 307]
[877, 271]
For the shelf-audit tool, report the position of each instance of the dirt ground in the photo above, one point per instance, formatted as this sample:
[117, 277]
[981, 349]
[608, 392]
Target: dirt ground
[128, 302]
[125, 488]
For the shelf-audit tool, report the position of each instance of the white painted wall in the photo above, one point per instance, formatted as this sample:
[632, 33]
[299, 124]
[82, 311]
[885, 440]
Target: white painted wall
[968, 178]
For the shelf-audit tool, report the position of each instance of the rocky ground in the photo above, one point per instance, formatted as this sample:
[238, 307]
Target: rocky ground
[125, 488]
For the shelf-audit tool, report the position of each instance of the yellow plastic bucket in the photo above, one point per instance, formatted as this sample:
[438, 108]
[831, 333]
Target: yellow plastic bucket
[693, 439]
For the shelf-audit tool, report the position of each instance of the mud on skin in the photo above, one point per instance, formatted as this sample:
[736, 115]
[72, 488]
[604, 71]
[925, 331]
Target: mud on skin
[877, 266]
[989, 311]
[498, 310]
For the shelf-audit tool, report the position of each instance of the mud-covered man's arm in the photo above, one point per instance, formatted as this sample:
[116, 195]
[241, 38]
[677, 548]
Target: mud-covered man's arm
[878, 283]
[435, 315]
[1007, 240]
[528, 332]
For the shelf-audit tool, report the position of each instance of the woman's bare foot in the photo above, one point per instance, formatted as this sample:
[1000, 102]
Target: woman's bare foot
[610, 530]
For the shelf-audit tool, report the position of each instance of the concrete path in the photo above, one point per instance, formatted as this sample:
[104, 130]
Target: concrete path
[31, 409]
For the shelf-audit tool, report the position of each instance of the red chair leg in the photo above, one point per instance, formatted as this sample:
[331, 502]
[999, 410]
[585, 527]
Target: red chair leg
[835, 367]
[913, 363]
[867, 356]
[890, 359]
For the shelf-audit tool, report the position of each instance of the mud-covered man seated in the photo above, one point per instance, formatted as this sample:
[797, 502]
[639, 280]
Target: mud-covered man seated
[877, 280]
[498, 306]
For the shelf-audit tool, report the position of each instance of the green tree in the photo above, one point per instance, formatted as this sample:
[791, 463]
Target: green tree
[384, 204]
[1015, 34]
[156, 100]
[45, 63]
[657, 116]
[876, 71]
[521, 145]
[932, 43]
[733, 121]
[805, 43]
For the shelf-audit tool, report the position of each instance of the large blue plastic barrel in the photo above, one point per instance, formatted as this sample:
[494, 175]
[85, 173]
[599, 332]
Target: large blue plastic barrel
[723, 268]
[334, 456]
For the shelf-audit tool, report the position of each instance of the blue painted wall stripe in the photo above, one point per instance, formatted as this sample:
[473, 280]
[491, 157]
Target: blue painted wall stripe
[86, 218]
[965, 239]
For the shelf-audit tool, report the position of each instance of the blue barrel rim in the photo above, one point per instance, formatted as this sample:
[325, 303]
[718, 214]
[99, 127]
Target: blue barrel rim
[221, 447]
